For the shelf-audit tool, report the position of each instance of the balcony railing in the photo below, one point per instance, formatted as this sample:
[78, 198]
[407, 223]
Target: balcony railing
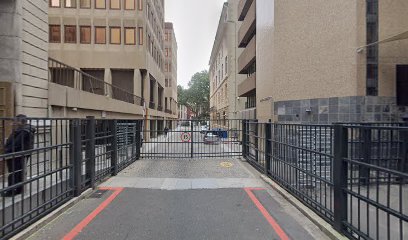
[168, 111]
[152, 105]
[65, 75]
[160, 108]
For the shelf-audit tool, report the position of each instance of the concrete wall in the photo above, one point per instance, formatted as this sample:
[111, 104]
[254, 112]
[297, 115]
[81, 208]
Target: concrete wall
[393, 19]
[24, 57]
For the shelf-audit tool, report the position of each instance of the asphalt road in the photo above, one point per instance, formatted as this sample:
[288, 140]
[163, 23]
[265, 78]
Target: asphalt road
[183, 199]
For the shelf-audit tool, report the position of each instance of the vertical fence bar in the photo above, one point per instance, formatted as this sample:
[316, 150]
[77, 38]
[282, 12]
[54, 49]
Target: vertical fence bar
[90, 150]
[114, 147]
[340, 176]
[268, 146]
[76, 157]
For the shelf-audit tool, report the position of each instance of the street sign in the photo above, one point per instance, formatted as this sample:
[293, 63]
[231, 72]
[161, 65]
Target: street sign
[185, 137]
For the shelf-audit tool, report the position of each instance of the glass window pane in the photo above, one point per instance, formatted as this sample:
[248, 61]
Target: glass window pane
[70, 34]
[115, 4]
[85, 34]
[85, 3]
[130, 4]
[100, 35]
[101, 4]
[115, 35]
[55, 33]
[70, 3]
[55, 3]
[130, 36]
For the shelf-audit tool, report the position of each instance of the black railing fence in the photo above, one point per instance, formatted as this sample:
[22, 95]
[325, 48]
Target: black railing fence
[355, 176]
[50, 161]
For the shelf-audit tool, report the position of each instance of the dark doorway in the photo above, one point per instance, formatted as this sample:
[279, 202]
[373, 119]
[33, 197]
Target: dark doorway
[402, 85]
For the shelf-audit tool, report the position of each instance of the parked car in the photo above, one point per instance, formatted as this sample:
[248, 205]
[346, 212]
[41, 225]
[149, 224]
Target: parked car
[204, 129]
[211, 138]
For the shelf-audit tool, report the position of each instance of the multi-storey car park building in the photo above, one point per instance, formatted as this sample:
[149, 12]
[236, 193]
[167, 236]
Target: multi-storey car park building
[317, 68]
[170, 69]
[246, 40]
[224, 101]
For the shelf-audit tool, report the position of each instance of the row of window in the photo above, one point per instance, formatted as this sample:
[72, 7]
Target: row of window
[98, 4]
[85, 35]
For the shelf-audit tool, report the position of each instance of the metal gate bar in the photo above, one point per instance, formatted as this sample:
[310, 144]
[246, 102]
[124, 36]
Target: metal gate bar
[191, 138]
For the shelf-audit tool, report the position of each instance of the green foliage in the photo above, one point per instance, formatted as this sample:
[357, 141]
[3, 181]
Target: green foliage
[197, 95]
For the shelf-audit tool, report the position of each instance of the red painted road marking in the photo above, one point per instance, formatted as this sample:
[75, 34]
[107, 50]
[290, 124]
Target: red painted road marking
[78, 228]
[266, 214]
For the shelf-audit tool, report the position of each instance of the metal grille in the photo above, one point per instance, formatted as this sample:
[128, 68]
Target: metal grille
[354, 176]
[191, 138]
[64, 158]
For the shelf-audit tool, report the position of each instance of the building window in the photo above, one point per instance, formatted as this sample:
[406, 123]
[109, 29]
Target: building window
[100, 4]
[140, 5]
[140, 35]
[55, 33]
[70, 34]
[85, 34]
[115, 35]
[70, 3]
[167, 82]
[130, 4]
[85, 3]
[100, 35]
[55, 3]
[130, 36]
[114, 4]
[170, 82]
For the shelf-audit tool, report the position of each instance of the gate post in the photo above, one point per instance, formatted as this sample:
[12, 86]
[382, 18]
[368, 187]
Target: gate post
[76, 157]
[340, 176]
[138, 138]
[90, 150]
[192, 138]
[114, 153]
[244, 134]
[364, 172]
[268, 146]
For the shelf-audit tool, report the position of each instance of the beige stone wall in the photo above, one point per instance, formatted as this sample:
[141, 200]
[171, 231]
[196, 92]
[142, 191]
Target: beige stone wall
[34, 82]
[393, 19]
[305, 49]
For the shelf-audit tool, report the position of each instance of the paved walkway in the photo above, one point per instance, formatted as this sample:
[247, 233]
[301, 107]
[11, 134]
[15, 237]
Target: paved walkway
[183, 199]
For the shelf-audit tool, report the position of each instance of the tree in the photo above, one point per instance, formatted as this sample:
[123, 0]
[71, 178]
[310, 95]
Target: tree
[197, 95]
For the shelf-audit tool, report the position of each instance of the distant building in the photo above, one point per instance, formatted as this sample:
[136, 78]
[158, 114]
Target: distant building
[170, 69]
[224, 101]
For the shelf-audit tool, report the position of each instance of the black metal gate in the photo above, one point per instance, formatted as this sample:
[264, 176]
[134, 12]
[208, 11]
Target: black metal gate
[191, 138]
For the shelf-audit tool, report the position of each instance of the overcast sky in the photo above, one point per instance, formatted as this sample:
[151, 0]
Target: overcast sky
[195, 24]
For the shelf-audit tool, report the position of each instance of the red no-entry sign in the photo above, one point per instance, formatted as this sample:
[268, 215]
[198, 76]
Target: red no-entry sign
[185, 137]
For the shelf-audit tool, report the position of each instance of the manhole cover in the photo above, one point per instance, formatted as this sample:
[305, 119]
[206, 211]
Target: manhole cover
[98, 194]
[226, 164]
